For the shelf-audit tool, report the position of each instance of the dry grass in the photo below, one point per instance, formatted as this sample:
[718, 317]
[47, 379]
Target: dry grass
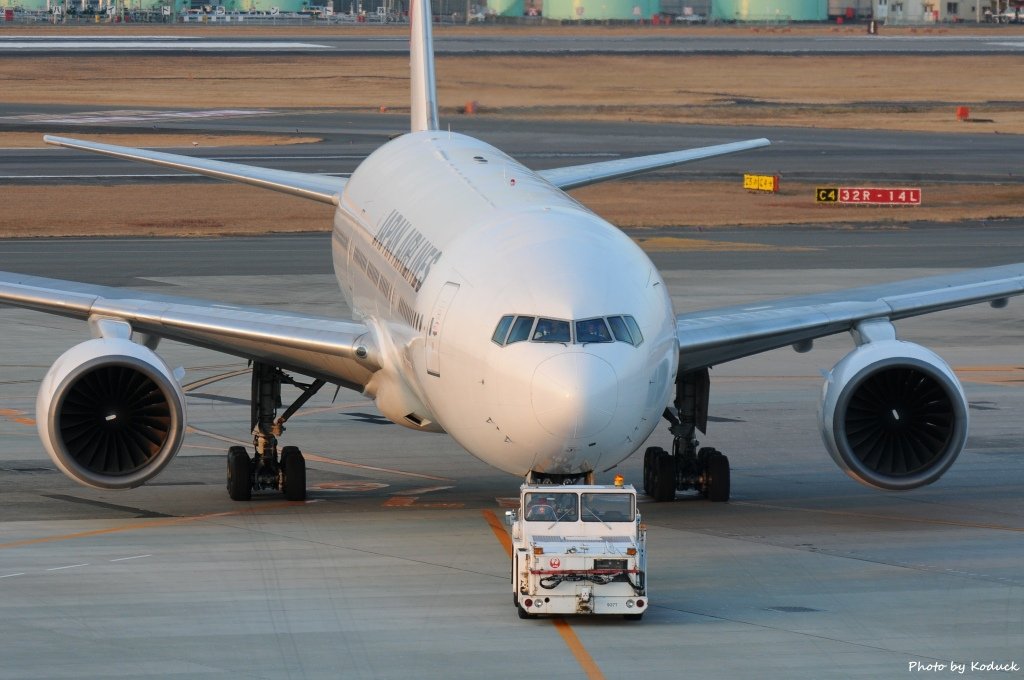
[866, 91]
[227, 209]
[156, 210]
[863, 91]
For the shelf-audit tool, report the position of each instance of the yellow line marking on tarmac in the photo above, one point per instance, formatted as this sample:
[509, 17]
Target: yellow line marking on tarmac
[569, 636]
[584, 659]
[16, 416]
[998, 376]
[499, 532]
[153, 524]
[894, 518]
[411, 502]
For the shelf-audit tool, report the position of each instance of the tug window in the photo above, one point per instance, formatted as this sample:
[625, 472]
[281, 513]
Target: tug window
[501, 332]
[592, 330]
[608, 507]
[520, 329]
[552, 507]
[552, 330]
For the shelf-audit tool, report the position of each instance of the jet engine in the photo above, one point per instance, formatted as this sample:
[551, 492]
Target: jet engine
[110, 413]
[893, 415]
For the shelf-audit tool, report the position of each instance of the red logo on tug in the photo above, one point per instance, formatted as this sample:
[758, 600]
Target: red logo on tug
[554, 563]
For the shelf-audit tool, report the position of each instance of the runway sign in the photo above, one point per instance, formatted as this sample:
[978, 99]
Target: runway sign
[869, 195]
[769, 183]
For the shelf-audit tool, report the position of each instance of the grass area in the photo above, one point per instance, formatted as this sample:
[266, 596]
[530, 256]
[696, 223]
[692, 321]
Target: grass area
[908, 92]
[196, 209]
[891, 91]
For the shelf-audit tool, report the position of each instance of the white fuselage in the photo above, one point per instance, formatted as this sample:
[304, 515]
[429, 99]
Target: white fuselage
[466, 236]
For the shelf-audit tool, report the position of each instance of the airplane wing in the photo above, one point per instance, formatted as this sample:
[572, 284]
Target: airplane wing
[716, 336]
[323, 188]
[576, 176]
[316, 346]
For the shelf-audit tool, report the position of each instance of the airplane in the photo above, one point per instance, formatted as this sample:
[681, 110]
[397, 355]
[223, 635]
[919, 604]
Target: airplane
[492, 306]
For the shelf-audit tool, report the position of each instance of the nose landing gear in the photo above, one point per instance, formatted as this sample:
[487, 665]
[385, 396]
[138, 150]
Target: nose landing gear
[268, 470]
[687, 467]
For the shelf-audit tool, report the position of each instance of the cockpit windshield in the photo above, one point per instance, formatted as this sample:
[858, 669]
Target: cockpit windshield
[592, 330]
[552, 330]
[512, 328]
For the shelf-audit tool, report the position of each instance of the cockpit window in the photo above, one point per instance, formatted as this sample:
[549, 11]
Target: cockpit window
[502, 330]
[634, 330]
[592, 330]
[619, 329]
[622, 328]
[552, 330]
[520, 329]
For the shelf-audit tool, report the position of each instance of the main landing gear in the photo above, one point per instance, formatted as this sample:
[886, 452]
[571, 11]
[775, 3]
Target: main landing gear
[687, 466]
[266, 469]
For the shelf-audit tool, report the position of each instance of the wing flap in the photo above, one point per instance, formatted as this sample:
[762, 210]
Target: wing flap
[317, 346]
[719, 335]
[323, 188]
[576, 176]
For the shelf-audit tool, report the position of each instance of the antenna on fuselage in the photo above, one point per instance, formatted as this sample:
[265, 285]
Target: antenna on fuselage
[424, 86]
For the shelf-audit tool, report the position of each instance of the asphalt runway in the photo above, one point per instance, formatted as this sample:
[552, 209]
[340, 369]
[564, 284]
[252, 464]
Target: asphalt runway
[393, 569]
[797, 154]
[941, 41]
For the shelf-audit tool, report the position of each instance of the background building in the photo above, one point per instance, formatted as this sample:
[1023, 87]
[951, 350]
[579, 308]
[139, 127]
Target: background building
[769, 10]
[598, 10]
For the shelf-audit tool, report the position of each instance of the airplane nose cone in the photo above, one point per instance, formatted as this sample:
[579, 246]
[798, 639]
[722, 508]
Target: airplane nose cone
[574, 395]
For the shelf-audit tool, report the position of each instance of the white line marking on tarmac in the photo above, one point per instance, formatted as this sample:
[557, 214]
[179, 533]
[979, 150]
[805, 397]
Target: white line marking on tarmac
[324, 459]
[20, 573]
[134, 557]
[70, 566]
[419, 492]
[162, 45]
[135, 176]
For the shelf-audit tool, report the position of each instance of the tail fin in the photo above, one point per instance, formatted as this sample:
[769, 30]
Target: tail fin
[424, 87]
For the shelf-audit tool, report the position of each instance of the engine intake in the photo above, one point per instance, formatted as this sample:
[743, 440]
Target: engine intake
[893, 415]
[110, 413]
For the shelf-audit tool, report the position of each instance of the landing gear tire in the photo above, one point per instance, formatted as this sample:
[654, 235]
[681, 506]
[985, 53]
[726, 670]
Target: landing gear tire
[239, 474]
[650, 456]
[293, 467]
[664, 477]
[718, 478]
[632, 617]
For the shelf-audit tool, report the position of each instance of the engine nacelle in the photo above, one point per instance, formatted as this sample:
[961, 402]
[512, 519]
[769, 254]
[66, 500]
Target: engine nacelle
[110, 413]
[893, 415]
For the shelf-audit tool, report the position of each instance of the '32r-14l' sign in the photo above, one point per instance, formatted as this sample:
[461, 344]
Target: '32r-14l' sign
[869, 195]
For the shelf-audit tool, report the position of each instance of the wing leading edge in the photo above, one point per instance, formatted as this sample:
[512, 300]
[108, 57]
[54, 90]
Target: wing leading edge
[323, 188]
[715, 336]
[576, 176]
[337, 351]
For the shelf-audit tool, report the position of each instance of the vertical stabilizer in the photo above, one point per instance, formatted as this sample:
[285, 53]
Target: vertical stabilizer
[424, 87]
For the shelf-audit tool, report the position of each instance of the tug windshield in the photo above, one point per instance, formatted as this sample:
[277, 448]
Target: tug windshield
[608, 507]
[552, 507]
